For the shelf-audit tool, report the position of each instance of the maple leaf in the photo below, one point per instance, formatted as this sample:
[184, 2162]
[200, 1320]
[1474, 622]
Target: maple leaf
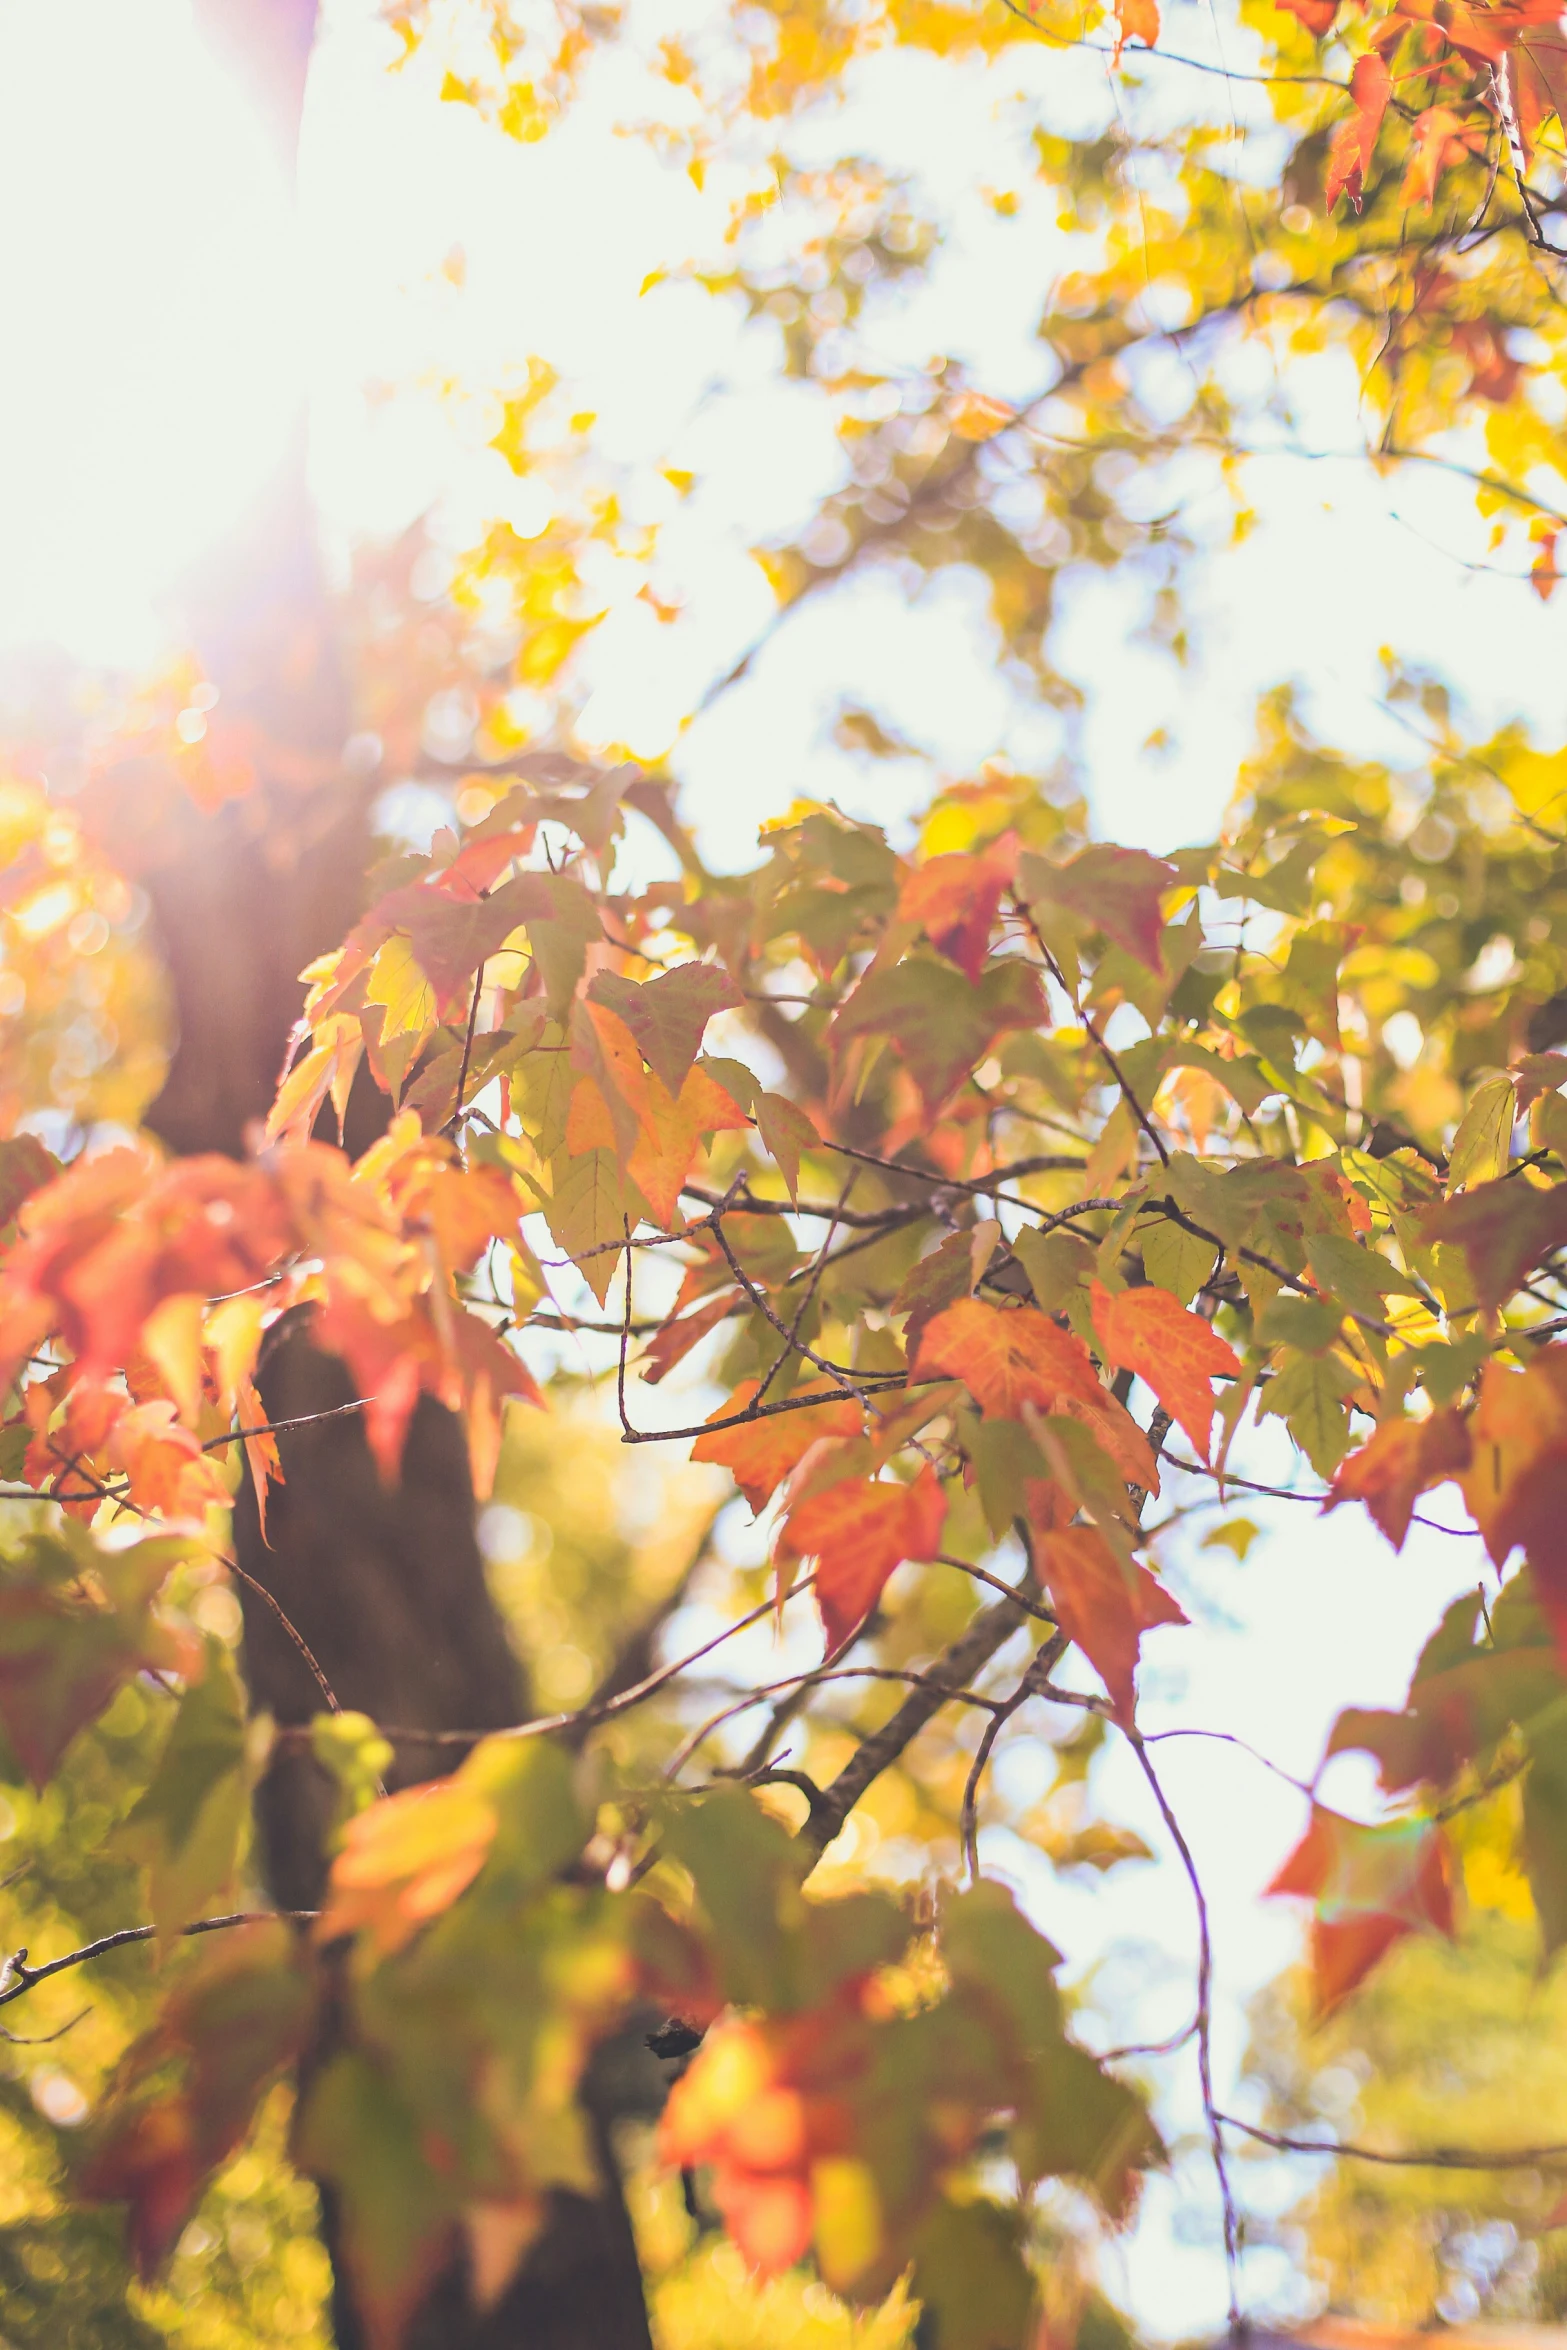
[405, 1860]
[75, 1623]
[1104, 1599]
[1174, 1352]
[1135, 20]
[786, 1132]
[954, 901]
[1371, 1887]
[858, 1531]
[1514, 1480]
[673, 1132]
[940, 1030]
[166, 1468]
[231, 2028]
[1504, 1228]
[1316, 15]
[1402, 1460]
[1543, 574]
[760, 1454]
[1439, 140]
[1007, 1357]
[1115, 890]
[673, 1340]
[1349, 156]
[668, 1015]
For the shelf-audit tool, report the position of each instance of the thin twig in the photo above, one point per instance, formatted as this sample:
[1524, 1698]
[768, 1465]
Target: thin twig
[1204, 2019]
[18, 1977]
[1432, 2158]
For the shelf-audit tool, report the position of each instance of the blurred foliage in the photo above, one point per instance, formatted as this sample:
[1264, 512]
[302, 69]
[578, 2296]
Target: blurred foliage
[1458, 2043]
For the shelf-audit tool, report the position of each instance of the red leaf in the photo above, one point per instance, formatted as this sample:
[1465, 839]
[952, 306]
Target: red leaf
[1349, 156]
[858, 1531]
[1543, 574]
[1117, 890]
[954, 899]
[1372, 1886]
[1007, 1357]
[1104, 1602]
[1177, 1353]
[1517, 1473]
[940, 1030]
[760, 1453]
[1402, 1460]
[231, 2028]
[673, 1340]
[1503, 1228]
[1316, 15]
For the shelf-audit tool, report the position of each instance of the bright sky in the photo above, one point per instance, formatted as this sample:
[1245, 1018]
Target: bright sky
[150, 279]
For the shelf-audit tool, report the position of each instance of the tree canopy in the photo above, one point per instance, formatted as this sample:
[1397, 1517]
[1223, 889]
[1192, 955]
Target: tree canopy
[954, 1201]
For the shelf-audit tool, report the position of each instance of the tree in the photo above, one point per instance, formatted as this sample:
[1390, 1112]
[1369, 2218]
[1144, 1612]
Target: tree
[1025, 1173]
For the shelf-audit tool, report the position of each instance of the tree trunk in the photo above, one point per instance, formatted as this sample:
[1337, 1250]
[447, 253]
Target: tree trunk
[384, 1585]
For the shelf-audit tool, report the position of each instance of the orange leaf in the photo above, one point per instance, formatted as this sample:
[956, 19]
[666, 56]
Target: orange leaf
[1349, 156]
[1543, 573]
[1316, 15]
[1135, 20]
[672, 1135]
[1103, 1602]
[168, 1471]
[1402, 1460]
[1372, 1886]
[760, 1454]
[1175, 1352]
[977, 416]
[404, 1861]
[858, 1531]
[954, 900]
[1007, 1357]
[1438, 141]
[673, 1340]
[1517, 1472]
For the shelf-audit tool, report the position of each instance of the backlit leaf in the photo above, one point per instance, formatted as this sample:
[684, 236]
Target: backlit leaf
[1371, 1887]
[1104, 1601]
[668, 1015]
[1007, 1357]
[1176, 1353]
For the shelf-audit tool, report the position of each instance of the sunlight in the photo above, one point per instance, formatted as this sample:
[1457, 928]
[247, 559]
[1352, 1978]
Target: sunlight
[152, 361]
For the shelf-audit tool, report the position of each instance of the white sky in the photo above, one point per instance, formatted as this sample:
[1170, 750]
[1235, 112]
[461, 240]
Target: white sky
[156, 337]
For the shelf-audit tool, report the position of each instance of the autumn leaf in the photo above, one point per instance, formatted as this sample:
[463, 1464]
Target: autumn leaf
[1349, 156]
[1316, 15]
[1104, 1600]
[954, 900]
[1112, 889]
[1371, 1887]
[77, 1621]
[858, 1531]
[405, 1860]
[1514, 1480]
[231, 2027]
[1404, 1459]
[1135, 20]
[673, 1133]
[1007, 1357]
[668, 1015]
[938, 1028]
[1174, 1352]
[786, 1134]
[760, 1453]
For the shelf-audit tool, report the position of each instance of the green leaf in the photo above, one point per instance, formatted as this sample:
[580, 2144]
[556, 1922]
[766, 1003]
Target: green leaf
[351, 1750]
[970, 2274]
[1483, 1143]
[1308, 1396]
[186, 1827]
[398, 2213]
[1175, 1259]
[587, 1213]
